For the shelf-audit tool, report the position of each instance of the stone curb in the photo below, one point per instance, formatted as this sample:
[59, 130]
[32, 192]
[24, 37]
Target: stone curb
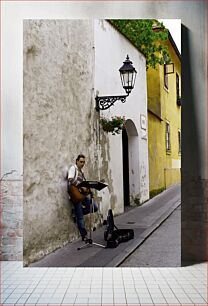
[137, 242]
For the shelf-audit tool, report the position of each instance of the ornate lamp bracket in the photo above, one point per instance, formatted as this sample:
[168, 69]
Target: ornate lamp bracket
[128, 77]
[106, 102]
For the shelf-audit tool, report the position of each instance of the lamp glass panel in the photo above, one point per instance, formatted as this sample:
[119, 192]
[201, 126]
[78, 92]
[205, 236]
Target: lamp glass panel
[133, 78]
[122, 79]
[131, 75]
[126, 79]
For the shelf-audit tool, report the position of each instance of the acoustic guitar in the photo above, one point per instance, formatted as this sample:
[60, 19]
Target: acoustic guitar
[77, 195]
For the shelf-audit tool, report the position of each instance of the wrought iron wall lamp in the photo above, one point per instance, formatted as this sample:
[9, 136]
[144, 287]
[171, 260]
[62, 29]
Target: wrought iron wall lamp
[128, 77]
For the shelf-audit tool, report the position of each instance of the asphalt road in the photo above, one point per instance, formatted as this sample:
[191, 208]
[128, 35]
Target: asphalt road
[162, 248]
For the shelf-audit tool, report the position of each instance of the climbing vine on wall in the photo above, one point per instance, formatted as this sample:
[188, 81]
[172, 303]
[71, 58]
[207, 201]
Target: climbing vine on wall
[147, 36]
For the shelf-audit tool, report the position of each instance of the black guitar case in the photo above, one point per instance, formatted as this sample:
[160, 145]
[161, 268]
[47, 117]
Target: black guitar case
[113, 235]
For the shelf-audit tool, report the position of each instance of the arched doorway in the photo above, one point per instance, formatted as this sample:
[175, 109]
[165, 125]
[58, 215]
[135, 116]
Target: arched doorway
[125, 147]
[130, 146]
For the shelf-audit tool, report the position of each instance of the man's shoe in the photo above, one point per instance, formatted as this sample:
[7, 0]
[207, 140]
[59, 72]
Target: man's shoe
[85, 238]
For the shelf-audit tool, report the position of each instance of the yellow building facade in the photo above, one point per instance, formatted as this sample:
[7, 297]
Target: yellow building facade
[164, 121]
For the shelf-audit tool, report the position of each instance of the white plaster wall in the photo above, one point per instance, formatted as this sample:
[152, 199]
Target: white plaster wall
[134, 160]
[111, 49]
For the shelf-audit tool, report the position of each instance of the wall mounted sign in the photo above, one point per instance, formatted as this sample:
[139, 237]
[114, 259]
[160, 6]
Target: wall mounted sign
[144, 134]
[143, 122]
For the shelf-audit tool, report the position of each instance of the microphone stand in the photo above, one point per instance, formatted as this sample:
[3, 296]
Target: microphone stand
[89, 241]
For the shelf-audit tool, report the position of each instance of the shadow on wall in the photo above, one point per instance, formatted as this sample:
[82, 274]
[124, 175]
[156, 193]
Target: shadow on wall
[193, 235]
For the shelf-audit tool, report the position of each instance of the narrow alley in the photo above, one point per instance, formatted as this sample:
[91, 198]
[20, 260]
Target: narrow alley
[142, 219]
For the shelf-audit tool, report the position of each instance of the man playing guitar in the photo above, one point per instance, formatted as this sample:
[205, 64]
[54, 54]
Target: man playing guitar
[79, 196]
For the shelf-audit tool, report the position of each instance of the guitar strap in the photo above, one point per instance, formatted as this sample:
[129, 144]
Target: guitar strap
[83, 175]
[76, 175]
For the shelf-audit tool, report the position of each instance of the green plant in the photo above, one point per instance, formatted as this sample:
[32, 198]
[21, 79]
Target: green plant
[147, 35]
[114, 125]
[155, 192]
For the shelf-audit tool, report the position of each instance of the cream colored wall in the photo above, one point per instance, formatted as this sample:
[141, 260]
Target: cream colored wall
[172, 113]
[164, 166]
[59, 123]
[153, 91]
[156, 152]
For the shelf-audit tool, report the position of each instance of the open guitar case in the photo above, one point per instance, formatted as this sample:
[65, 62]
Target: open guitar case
[112, 235]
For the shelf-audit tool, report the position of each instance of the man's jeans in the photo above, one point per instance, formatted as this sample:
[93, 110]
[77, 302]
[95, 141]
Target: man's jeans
[81, 209]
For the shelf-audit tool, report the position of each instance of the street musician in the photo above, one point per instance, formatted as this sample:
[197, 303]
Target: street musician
[80, 197]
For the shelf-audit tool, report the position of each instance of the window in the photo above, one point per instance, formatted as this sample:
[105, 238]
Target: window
[178, 98]
[179, 141]
[177, 86]
[166, 76]
[167, 136]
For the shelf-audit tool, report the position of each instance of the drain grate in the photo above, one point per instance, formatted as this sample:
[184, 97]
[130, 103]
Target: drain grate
[131, 222]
